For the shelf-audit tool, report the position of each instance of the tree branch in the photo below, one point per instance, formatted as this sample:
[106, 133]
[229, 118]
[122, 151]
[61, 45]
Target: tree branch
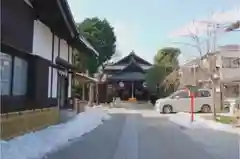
[195, 38]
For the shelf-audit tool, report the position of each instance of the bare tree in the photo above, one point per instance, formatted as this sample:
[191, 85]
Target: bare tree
[212, 32]
[209, 68]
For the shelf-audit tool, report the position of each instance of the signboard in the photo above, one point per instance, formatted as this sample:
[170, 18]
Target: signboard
[63, 73]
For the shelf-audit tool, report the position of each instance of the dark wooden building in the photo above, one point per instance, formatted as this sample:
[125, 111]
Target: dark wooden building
[38, 39]
[126, 78]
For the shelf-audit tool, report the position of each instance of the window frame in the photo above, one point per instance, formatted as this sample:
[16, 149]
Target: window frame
[176, 94]
[199, 95]
[10, 80]
[13, 56]
[15, 91]
[231, 62]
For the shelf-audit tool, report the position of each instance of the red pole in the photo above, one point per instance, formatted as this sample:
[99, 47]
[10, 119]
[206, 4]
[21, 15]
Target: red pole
[192, 107]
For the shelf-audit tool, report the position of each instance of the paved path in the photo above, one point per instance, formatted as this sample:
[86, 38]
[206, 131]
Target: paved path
[134, 133]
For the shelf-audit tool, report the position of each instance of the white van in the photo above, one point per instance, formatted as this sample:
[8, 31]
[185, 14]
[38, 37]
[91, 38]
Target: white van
[180, 101]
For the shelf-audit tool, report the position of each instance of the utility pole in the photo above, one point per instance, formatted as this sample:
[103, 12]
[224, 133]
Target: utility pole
[212, 44]
[213, 70]
[214, 98]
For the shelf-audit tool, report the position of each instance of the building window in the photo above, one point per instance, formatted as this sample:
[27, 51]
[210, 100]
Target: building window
[6, 67]
[182, 94]
[231, 62]
[20, 76]
[13, 75]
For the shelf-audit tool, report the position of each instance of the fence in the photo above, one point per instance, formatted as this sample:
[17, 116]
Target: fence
[18, 123]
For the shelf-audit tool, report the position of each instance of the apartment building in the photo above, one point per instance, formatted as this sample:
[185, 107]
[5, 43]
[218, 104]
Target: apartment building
[226, 63]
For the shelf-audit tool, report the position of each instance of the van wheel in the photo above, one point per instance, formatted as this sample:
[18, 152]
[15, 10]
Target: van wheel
[206, 108]
[167, 109]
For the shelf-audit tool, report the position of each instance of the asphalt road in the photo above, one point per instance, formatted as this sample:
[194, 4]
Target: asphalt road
[135, 132]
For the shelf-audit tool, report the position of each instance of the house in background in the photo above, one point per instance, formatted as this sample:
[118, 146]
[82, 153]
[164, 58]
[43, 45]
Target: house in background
[229, 59]
[38, 38]
[188, 70]
[227, 65]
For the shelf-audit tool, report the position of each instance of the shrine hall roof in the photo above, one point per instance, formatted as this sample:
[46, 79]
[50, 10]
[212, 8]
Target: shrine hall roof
[128, 76]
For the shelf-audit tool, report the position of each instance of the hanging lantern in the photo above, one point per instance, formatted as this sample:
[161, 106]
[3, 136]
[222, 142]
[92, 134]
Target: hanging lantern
[121, 84]
[144, 84]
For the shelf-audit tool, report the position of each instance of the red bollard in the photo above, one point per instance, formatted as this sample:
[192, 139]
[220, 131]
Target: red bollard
[192, 106]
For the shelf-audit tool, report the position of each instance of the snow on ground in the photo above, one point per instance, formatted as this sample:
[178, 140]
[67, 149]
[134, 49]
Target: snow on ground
[183, 119]
[37, 144]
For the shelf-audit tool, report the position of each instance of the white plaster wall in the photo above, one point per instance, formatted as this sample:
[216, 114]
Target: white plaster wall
[70, 54]
[54, 83]
[42, 40]
[55, 71]
[54, 87]
[42, 46]
[70, 85]
[55, 54]
[49, 81]
[64, 55]
[63, 49]
[70, 75]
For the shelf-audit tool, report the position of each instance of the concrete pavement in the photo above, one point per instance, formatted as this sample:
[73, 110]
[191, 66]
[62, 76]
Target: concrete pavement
[135, 131]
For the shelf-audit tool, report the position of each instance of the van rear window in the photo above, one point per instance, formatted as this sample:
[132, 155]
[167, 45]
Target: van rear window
[203, 93]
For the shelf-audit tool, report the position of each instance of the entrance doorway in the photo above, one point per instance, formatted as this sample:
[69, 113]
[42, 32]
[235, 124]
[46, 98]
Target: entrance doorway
[133, 89]
[62, 91]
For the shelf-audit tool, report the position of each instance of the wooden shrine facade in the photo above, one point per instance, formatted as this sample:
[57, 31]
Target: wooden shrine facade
[126, 78]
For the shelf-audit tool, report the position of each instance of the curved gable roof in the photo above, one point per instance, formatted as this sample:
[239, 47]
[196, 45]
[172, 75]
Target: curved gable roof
[128, 76]
[127, 58]
[132, 67]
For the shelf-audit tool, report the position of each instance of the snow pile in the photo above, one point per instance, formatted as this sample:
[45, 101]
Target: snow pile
[183, 119]
[37, 144]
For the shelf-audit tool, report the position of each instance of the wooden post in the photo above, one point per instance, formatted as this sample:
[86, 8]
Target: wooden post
[132, 89]
[90, 100]
[97, 94]
[192, 106]
[214, 99]
[222, 95]
[194, 76]
[83, 92]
